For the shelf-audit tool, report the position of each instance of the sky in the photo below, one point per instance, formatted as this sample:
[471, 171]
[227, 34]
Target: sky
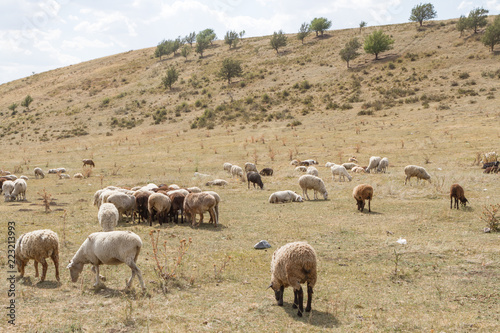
[40, 35]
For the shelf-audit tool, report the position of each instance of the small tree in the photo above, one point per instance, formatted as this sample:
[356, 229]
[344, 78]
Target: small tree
[231, 38]
[13, 107]
[208, 34]
[169, 79]
[304, 31]
[477, 19]
[185, 51]
[278, 40]
[230, 68]
[350, 51]
[202, 43]
[175, 44]
[26, 102]
[491, 36]
[161, 49]
[378, 42]
[190, 38]
[362, 24]
[320, 24]
[242, 33]
[462, 24]
[422, 12]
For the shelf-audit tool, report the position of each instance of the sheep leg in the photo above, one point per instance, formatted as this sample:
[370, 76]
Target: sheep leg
[44, 269]
[55, 259]
[213, 217]
[135, 271]
[36, 268]
[362, 205]
[300, 295]
[201, 219]
[369, 208]
[451, 202]
[21, 268]
[309, 298]
[95, 269]
[295, 299]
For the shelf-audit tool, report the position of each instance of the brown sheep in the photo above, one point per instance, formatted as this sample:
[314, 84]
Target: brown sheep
[177, 199]
[88, 161]
[457, 193]
[141, 200]
[361, 193]
[198, 203]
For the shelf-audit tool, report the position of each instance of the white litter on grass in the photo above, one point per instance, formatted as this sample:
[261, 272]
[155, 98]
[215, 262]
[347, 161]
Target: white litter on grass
[401, 241]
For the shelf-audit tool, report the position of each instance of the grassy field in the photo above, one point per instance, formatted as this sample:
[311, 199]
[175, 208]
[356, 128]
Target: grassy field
[444, 279]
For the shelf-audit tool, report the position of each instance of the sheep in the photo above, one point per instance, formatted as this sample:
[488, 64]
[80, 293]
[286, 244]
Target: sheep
[358, 169]
[291, 265]
[60, 170]
[193, 189]
[141, 201]
[294, 162]
[341, 172]
[457, 193]
[312, 171]
[383, 165]
[54, 171]
[285, 196]
[160, 204]
[353, 159]
[181, 190]
[37, 245]
[373, 164]
[304, 163]
[416, 171]
[24, 177]
[201, 175]
[149, 187]
[250, 167]
[125, 203]
[349, 166]
[64, 176]
[10, 177]
[7, 188]
[108, 216]
[217, 182]
[2, 180]
[329, 164]
[227, 167]
[19, 192]
[108, 248]
[237, 171]
[266, 172]
[104, 195]
[255, 178]
[177, 203]
[312, 182]
[301, 168]
[78, 175]
[217, 201]
[311, 161]
[198, 203]
[361, 193]
[89, 162]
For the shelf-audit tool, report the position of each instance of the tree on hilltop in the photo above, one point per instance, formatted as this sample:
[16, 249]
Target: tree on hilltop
[423, 12]
[491, 36]
[320, 24]
[231, 38]
[207, 34]
[362, 24]
[278, 40]
[477, 18]
[190, 38]
[202, 43]
[304, 31]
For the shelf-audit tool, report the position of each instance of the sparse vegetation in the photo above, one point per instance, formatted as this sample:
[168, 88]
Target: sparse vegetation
[377, 43]
[278, 40]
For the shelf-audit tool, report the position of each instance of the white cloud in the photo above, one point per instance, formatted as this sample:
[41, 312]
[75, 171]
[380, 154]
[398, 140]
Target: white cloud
[81, 42]
[493, 5]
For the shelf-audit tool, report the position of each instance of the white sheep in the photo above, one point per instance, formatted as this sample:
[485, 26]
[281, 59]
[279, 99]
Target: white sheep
[250, 167]
[349, 166]
[217, 182]
[24, 177]
[294, 162]
[416, 171]
[125, 203]
[312, 182]
[193, 189]
[358, 169]
[38, 173]
[181, 190]
[64, 176]
[383, 165]
[7, 188]
[37, 245]
[291, 265]
[312, 171]
[108, 248]
[237, 171]
[285, 196]
[158, 203]
[341, 172]
[104, 195]
[19, 192]
[373, 164]
[78, 175]
[108, 216]
[301, 168]
[329, 164]
[227, 167]
[310, 161]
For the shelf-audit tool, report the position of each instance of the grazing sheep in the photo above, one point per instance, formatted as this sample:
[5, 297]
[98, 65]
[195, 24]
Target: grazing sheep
[361, 193]
[201, 175]
[311, 161]
[358, 169]
[304, 163]
[285, 196]
[7, 188]
[108, 248]
[176, 205]
[312, 182]
[125, 203]
[64, 176]
[193, 189]
[24, 177]
[416, 171]
[312, 171]
[291, 265]
[217, 201]
[37, 245]
[216, 182]
[294, 162]
[329, 164]
[198, 203]
[457, 193]
[158, 203]
[60, 170]
[39, 173]
[237, 171]
[491, 169]
[266, 172]
[2, 180]
[227, 167]
[78, 175]
[349, 166]
[373, 164]
[54, 171]
[141, 202]
[250, 167]
[255, 178]
[383, 165]
[104, 195]
[89, 162]
[108, 216]
[181, 190]
[10, 177]
[341, 172]
[490, 164]
[19, 192]
[301, 168]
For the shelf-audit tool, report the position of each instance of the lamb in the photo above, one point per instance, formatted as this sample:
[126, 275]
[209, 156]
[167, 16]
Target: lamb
[291, 265]
[217, 182]
[39, 173]
[301, 168]
[237, 171]
[250, 167]
[373, 164]
[89, 162]
[349, 166]
[361, 193]
[198, 203]
[227, 167]
[312, 171]
[266, 172]
[109, 248]
[341, 172]
[19, 192]
[383, 165]
[457, 193]
[255, 178]
[285, 196]
[177, 203]
[108, 216]
[141, 201]
[217, 201]
[160, 204]
[125, 203]
[7, 188]
[37, 245]
[416, 171]
[312, 182]
[60, 170]
[358, 169]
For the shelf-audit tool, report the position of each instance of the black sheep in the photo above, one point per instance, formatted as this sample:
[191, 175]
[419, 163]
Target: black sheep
[266, 172]
[254, 177]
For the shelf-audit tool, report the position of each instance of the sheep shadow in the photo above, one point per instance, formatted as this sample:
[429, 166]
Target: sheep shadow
[366, 212]
[26, 281]
[315, 317]
[102, 290]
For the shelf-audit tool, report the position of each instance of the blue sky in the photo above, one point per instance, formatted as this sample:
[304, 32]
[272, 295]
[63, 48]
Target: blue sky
[40, 35]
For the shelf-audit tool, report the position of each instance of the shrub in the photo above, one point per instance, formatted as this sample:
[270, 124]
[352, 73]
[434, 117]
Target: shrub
[464, 75]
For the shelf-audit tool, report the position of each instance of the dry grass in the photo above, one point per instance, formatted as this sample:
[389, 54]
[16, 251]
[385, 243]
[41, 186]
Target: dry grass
[446, 277]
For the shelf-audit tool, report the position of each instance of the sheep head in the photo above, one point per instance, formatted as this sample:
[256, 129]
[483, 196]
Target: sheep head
[75, 269]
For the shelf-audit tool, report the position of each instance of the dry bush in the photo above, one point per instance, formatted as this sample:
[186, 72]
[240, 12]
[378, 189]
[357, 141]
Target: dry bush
[87, 172]
[115, 169]
[272, 154]
[490, 217]
[18, 169]
[45, 199]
